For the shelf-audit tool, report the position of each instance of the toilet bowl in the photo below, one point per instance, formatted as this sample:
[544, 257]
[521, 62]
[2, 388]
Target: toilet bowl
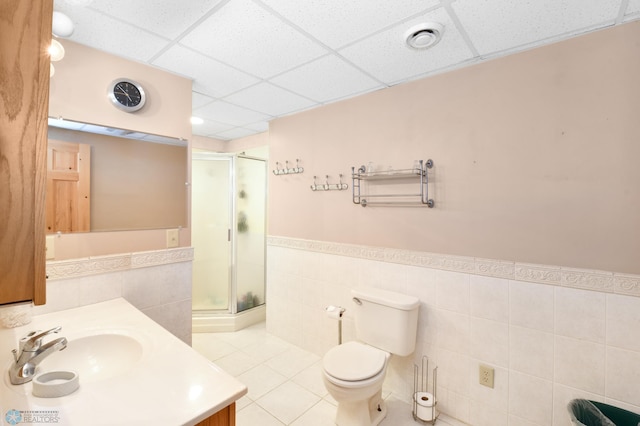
[353, 374]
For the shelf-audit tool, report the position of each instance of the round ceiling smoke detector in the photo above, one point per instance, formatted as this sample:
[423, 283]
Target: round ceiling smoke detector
[424, 36]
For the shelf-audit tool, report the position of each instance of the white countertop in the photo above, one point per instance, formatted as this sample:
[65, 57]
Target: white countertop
[168, 384]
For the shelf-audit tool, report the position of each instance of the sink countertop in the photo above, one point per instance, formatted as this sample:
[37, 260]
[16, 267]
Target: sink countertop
[171, 384]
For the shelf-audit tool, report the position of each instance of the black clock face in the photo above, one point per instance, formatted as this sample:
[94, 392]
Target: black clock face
[127, 94]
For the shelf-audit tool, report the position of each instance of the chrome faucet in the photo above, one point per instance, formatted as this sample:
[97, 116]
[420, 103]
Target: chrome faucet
[31, 353]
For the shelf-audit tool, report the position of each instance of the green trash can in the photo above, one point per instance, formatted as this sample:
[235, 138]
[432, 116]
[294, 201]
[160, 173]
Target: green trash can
[592, 413]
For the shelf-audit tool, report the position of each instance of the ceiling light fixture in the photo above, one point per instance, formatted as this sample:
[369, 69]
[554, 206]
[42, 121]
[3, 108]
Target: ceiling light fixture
[56, 51]
[424, 36]
[62, 25]
[196, 120]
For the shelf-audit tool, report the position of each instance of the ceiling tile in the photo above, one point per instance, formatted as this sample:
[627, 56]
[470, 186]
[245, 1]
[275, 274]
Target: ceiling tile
[209, 127]
[168, 18]
[269, 99]
[261, 126]
[338, 22]
[633, 7]
[387, 57]
[210, 76]
[224, 112]
[110, 35]
[199, 100]
[326, 79]
[237, 133]
[496, 25]
[249, 38]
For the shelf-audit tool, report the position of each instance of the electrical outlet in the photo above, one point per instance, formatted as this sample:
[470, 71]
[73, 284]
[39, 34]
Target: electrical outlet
[486, 376]
[50, 247]
[173, 238]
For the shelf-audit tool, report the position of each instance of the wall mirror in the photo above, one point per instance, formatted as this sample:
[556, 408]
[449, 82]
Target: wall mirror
[107, 179]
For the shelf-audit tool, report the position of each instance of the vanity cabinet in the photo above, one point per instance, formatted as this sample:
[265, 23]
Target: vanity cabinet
[224, 417]
[25, 34]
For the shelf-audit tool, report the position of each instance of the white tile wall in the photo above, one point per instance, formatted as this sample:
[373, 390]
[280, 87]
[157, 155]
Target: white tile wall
[159, 285]
[623, 322]
[580, 314]
[547, 343]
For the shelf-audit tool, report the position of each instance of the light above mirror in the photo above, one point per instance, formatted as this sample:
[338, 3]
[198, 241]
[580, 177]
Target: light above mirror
[62, 123]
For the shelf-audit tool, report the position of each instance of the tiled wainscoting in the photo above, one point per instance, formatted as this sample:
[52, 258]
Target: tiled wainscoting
[552, 334]
[156, 282]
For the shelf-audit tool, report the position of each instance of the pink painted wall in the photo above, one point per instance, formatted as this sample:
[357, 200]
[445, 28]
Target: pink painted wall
[79, 92]
[535, 159]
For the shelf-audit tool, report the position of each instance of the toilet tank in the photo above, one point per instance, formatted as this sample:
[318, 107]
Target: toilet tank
[386, 320]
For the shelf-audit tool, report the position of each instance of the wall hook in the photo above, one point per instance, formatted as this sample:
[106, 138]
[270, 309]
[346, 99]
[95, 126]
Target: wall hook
[279, 170]
[328, 186]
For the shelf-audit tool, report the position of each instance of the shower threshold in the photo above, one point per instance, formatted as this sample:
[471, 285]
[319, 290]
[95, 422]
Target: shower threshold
[214, 322]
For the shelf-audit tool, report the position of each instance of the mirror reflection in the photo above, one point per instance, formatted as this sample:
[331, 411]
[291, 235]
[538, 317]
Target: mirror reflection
[106, 179]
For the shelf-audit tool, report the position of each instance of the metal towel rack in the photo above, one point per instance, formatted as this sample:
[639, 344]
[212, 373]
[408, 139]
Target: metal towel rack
[386, 180]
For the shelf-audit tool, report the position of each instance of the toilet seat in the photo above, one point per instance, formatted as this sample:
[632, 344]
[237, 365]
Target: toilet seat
[354, 362]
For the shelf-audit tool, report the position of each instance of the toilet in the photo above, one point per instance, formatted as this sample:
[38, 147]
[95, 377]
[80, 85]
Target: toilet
[386, 323]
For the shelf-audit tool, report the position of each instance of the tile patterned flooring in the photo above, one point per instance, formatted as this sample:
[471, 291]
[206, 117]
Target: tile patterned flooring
[284, 381]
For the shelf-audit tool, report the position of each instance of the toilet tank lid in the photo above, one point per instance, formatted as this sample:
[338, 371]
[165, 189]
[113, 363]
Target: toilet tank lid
[387, 298]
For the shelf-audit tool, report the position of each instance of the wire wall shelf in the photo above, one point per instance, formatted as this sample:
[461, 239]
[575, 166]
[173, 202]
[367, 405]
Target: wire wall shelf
[365, 181]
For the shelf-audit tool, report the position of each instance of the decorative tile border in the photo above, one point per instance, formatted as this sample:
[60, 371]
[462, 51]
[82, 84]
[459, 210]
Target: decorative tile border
[540, 274]
[626, 284]
[602, 281]
[88, 266]
[161, 257]
[587, 279]
[119, 262]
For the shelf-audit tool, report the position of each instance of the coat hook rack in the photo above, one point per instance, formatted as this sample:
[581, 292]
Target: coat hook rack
[286, 170]
[326, 186]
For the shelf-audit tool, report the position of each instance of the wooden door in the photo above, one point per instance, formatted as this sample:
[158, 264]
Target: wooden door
[68, 187]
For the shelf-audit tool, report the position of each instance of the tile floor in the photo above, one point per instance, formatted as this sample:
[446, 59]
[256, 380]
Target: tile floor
[284, 381]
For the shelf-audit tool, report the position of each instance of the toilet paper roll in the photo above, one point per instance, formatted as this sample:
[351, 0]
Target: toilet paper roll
[425, 406]
[334, 312]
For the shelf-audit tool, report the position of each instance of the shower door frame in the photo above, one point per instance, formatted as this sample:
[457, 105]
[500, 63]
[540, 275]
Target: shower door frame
[232, 232]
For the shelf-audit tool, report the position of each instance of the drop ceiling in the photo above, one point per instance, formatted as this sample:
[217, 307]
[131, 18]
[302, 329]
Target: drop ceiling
[254, 60]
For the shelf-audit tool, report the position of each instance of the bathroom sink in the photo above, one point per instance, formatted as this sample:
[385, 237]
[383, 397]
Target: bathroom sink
[96, 357]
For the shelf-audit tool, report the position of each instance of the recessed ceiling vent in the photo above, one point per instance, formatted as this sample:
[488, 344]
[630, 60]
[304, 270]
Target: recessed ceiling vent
[423, 36]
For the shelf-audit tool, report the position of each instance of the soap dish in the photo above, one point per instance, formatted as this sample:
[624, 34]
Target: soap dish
[55, 383]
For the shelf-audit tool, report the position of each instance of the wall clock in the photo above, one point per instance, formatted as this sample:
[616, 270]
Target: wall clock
[126, 94]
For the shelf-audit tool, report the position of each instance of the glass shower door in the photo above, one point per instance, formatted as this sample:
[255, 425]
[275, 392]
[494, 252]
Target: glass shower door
[211, 224]
[251, 204]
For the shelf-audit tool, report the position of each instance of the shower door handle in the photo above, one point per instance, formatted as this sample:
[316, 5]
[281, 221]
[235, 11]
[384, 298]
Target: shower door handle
[229, 235]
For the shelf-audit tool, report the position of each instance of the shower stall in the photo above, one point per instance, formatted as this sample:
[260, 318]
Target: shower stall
[228, 220]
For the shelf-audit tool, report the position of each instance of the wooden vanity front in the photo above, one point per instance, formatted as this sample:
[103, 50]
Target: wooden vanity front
[224, 417]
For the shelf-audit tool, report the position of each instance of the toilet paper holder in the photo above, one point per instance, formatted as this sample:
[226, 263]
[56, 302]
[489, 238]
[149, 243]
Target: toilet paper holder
[336, 312]
[424, 402]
